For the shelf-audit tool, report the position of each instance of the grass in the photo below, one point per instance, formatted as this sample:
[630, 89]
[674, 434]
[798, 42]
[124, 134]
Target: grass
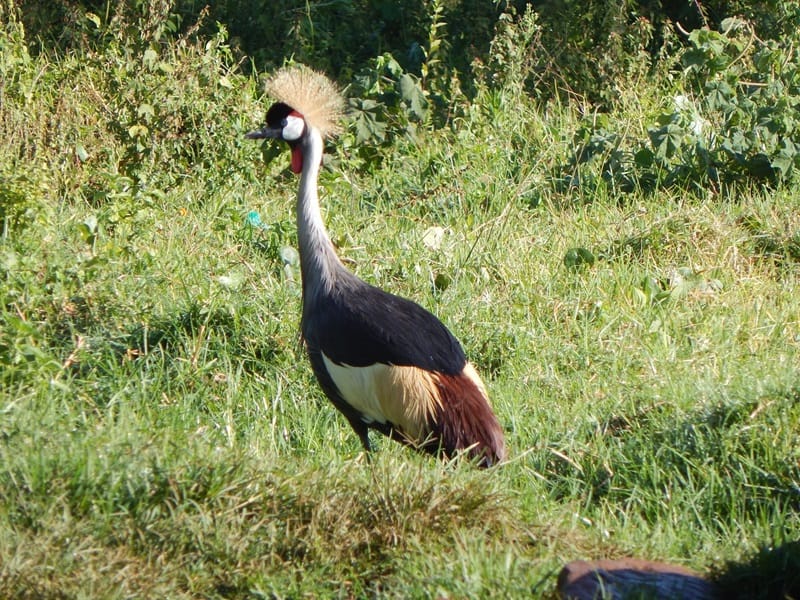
[160, 431]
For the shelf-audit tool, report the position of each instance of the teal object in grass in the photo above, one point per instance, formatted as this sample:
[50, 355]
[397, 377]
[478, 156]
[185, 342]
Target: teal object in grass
[254, 219]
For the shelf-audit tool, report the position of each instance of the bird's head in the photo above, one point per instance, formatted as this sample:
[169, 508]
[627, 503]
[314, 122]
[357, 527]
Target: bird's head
[284, 123]
[307, 101]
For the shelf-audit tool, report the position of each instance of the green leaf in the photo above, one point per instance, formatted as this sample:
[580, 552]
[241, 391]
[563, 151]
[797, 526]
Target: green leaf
[719, 96]
[736, 145]
[785, 159]
[146, 111]
[137, 130]
[442, 281]
[653, 290]
[367, 123]
[578, 257]
[150, 57]
[731, 24]
[391, 65]
[411, 93]
[81, 153]
[644, 158]
[666, 140]
[693, 59]
[88, 229]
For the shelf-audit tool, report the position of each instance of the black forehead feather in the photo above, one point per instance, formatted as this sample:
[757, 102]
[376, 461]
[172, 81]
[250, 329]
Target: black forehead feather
[277, 113]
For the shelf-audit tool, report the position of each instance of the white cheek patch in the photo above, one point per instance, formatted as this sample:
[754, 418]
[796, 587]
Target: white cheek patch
[293, 129]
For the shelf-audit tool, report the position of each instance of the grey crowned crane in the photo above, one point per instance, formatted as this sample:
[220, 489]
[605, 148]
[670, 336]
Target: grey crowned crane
[385, 362]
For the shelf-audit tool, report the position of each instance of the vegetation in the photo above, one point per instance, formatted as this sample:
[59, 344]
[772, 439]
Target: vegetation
[614, 235]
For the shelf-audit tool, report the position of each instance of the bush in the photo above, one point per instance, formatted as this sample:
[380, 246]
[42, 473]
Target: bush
[733, 119]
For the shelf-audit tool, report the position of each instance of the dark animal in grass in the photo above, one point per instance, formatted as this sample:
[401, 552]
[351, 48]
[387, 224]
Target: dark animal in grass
[385, 362]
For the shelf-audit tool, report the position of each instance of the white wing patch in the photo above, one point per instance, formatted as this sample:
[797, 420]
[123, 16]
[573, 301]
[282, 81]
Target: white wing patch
[358, 385]
[406, 397]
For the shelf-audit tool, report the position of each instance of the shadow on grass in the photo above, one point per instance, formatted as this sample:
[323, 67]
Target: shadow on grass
[773, 573]
[781, 247]
[727, 459]
[221, 331]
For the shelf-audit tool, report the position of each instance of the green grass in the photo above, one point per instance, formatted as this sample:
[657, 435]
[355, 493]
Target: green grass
[161, 434]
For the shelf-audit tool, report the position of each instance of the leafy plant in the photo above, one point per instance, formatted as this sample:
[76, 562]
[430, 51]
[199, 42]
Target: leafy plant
[511, 60]
[735, 121]
[23, 193]
[386, 101]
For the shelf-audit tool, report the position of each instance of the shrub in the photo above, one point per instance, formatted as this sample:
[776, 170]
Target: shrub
[733, 118]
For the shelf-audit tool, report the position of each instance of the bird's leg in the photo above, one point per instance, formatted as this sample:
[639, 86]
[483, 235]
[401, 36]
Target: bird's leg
[362, 431]
[364, 437]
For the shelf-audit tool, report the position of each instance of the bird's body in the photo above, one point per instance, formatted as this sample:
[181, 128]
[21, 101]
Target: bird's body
[384, 361]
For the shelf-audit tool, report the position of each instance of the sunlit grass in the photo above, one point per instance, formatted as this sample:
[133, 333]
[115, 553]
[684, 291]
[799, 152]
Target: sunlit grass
[161, 434]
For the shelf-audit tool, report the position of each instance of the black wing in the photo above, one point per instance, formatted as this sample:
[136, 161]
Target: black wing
[359, 325]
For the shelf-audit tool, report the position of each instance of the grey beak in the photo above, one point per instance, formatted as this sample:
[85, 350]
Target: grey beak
[265, 132]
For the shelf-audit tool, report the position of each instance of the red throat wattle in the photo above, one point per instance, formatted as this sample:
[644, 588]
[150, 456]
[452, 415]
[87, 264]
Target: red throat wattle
[297, 159]
[297, 155]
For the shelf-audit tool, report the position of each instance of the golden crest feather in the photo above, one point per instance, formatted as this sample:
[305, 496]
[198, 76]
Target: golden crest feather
[311, 94]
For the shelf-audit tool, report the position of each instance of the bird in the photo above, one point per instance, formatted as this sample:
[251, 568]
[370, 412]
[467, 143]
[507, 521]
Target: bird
[385, 362]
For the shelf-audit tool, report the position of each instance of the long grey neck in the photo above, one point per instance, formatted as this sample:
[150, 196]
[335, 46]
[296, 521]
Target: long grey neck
[318, 261]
